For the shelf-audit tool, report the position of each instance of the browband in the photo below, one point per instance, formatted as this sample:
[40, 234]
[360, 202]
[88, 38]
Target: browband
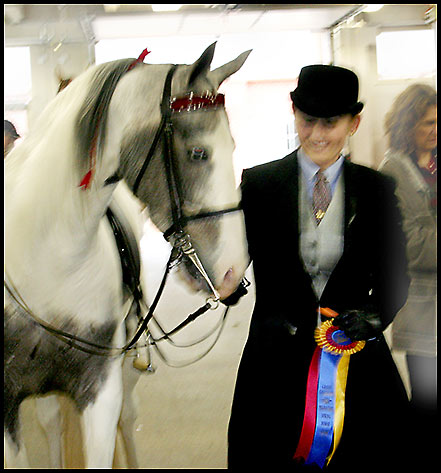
[193, 102]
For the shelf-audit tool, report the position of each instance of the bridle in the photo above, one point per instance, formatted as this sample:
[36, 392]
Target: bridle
[175, 234]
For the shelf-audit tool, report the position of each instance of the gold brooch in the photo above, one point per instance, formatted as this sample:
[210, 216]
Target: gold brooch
[319, 214]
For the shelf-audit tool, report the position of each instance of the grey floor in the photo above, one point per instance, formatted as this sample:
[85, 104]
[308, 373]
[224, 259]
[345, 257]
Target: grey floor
[182, 412]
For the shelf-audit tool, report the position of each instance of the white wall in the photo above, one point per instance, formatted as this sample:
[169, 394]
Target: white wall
[355, 48]
[70, 60]
[258, 96]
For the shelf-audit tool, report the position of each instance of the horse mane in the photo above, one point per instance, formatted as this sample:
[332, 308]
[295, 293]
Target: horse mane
[58, 145]
[92, 116]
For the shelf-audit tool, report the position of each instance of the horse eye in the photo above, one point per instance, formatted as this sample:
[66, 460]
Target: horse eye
[198, 154]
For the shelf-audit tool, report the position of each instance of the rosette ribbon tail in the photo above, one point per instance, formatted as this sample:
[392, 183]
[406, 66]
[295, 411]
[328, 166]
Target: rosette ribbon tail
[325, 395]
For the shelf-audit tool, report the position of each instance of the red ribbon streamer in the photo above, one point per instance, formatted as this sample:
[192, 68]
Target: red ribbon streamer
[308, 429]
[85, 182]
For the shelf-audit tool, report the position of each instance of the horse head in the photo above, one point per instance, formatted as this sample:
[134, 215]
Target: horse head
[202, 148]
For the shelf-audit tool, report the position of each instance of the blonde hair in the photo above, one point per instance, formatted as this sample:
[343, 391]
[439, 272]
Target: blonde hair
[406, 111]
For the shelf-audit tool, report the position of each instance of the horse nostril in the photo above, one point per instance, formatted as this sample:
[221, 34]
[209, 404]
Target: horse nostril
[229, 275]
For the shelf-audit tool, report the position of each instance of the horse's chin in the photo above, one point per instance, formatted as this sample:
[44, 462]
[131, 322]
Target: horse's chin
[192, 282]
[196, 283]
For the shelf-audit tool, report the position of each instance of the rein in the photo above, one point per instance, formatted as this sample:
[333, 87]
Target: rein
[176, 235]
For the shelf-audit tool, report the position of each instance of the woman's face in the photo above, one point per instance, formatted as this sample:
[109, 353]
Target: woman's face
[425, 131]
[322, 139]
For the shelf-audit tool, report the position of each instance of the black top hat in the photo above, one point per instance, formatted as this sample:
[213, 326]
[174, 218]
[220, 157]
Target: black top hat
[10, 129]
[327, 91]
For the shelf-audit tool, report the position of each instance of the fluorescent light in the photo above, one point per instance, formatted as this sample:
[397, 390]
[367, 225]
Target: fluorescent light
[372, 7]
[158, 7]
[111, 8]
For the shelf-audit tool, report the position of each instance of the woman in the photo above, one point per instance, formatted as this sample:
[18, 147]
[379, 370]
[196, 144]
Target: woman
[411, 125]
[334, 243]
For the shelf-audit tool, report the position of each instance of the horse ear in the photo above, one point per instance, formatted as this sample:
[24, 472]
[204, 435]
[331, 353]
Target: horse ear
[221, 73]
[202, 65]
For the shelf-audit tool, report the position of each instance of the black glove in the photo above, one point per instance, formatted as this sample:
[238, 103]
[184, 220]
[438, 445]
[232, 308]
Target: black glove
[359, 324]
[233, 299]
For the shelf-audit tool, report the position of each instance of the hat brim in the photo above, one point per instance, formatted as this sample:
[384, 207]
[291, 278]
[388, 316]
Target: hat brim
[356, 108]
[317, 109]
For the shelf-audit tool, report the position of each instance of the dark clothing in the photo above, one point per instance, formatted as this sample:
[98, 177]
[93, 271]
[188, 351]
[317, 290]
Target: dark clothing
[423, 374]
[269, 398]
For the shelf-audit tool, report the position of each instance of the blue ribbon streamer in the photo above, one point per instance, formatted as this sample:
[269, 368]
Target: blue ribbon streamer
[324, 428]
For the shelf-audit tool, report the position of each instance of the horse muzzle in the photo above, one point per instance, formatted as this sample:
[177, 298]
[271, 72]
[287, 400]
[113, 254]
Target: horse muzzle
[186, 254]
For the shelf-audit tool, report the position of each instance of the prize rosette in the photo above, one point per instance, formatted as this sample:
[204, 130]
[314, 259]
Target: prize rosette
[333, 340]
[325, 393]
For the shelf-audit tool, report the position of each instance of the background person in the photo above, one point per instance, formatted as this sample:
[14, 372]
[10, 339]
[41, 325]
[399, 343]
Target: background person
[10, 136]
[411, 126]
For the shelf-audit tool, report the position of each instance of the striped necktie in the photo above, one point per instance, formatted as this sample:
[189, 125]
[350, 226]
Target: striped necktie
[321, 197]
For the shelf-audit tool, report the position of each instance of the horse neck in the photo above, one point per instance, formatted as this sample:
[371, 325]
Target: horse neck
[49, 215]
[46, 211]
[59, 253]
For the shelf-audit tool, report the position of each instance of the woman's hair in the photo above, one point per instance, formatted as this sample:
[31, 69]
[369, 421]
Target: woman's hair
[406, 111]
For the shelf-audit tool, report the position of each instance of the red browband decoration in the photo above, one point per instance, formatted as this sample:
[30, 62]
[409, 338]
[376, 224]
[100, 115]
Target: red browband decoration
[196, 102]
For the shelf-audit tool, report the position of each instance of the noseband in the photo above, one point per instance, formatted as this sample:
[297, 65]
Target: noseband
[176, 234]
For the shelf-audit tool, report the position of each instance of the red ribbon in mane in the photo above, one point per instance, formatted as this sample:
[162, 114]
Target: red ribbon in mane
[87, 179]
[140, 59]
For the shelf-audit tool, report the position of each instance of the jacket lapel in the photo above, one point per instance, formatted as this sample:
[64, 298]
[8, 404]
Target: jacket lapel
[351, 196]
[292, 198]
[351, 214]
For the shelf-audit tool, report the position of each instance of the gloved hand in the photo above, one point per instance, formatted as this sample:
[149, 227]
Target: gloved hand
[359, 324]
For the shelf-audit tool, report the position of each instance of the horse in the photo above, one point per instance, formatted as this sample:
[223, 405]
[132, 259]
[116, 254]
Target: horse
[97, 146]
